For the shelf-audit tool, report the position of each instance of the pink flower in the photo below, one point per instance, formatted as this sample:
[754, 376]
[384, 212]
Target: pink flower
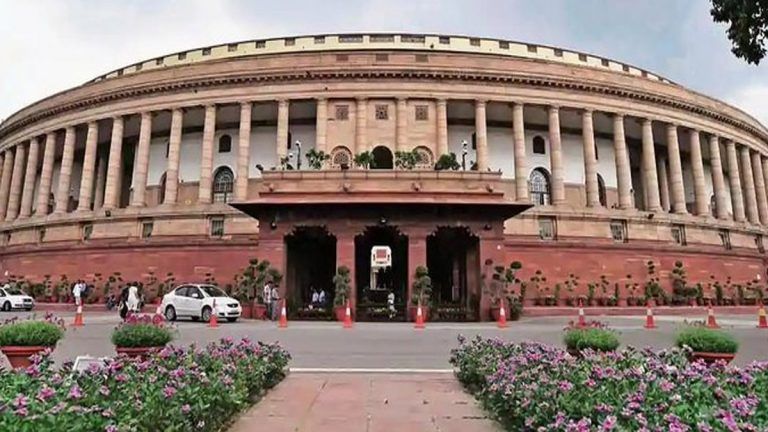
[168, 392]
[185, 408]
[75, 392]
[45, 393]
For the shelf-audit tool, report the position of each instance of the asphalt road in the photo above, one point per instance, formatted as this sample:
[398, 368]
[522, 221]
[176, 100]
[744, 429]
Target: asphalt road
[394, 345]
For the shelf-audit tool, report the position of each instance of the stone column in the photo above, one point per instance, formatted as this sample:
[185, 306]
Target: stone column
[650, 177]
[65, 174]
[89, 165]
[757, 172]
[5, 181]
[718, 182]
[737, 200]
[46, 175]
[321, 125]
[699, 185]
[675, 170]
[361, 139]
[204, 195]
[345, 256]
[114, 171]
[664, 185]
[29, 178]
[244, 151]
[481, 136]
[556, 156]
[521, 165]
[749, 186]
[101, 178]
[623, 173]
[401, 130]
[442, 128]
[417, 256]
[17, 181]
[590, 160]
[142, 162]
[174, 150]
[282, 129]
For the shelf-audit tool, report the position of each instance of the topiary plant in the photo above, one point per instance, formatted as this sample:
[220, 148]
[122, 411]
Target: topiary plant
[422, 287]
[597, 339]
[341, 286]
[702, 339]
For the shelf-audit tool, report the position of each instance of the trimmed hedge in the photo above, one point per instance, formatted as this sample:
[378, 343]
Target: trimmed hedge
[591, 338]
[31, 333]
[702, 339]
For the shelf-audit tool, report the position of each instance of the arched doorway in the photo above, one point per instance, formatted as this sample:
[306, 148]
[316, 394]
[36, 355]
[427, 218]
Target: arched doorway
[310, 265]
[382, 158]
[453, 260]
[372, 301]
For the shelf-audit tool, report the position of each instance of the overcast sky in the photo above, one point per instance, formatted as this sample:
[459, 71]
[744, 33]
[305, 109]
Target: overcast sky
[51, 45]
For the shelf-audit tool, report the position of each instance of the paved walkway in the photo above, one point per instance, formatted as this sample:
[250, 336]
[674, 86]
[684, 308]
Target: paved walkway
[318, 402]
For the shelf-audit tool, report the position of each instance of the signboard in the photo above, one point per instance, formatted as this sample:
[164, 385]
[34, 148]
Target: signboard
[381, 256]
[82, 363]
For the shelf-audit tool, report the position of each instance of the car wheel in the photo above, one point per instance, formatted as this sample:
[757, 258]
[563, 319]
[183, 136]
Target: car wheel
[170, 313]
[206, 315]
[7, 306]
[231, 319]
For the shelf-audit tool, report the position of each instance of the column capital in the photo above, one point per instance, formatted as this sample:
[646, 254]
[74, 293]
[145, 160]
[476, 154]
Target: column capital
[588, 110]
[442, 101]
[619, 115]
[361, 99]
[245, 102]
[553, 108]
[321, 99]
[480, 102]
[672, 125]
[401, 99]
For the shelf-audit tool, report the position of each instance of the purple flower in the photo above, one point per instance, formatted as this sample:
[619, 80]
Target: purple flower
[45, 393]
[75, 392]
[565, 386]
[608, 424]
[185, 408]
[110, 428]
[168, 392]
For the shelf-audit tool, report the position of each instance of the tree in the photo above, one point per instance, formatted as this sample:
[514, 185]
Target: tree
[748, 26]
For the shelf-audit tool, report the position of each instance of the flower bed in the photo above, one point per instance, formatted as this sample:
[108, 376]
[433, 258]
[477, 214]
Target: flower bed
[175, 389]
[530, 386]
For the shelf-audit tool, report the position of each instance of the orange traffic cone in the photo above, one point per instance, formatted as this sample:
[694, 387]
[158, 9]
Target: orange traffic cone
[348, 317]
[283, 317]
[419, 317]
[159, 309]
[711, 323]
[582, 322]
[761, 320]
[649, 322]
[78, 317]
[502, 322]
[213, 322]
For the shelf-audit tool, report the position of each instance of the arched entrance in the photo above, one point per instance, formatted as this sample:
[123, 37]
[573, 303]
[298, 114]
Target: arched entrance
[372, 301]
[453, 260]
[310, 265]
[382, 158]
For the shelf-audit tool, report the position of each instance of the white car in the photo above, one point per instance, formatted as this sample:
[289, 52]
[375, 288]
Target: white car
[14, 298]
[198, 301]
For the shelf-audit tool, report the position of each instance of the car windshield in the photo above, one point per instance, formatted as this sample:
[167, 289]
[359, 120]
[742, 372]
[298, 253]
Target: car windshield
[14, 291]
[213, 291]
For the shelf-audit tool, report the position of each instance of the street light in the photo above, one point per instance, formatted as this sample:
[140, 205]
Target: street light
[464, 151]
[298, 155]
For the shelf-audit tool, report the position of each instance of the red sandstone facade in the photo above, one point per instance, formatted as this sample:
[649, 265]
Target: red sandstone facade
[189, 163]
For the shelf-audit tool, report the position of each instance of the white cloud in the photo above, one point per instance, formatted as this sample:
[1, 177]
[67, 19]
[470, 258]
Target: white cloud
[753, 99]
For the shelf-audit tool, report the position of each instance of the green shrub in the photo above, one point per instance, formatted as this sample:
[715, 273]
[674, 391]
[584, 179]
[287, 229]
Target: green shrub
[591, 338]
[30, 333]
[141, 335]
[701, 339]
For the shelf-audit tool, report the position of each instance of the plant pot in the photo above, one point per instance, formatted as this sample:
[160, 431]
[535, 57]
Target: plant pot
[259, 311]
[623, 302]
[710, 358]
[141, 352]
[340, 312]
[412, 312]
[246, 311]
[18, 356]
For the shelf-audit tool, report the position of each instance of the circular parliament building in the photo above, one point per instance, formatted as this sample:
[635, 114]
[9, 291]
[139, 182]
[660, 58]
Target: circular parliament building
[455, 153]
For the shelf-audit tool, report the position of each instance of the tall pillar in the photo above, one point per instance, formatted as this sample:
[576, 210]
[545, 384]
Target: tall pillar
[699, 185]
[89, 165]
[361, 117]
[749, 186]
[282, 129]
[590, 160]
[675, 170]
[555, 156]
[142, 162]
[650, 177]
[521, 165]
[401, 126]
[737, 199]
[321, 125]
[17, 181]
[29, 178]
[623, 173]
[757, 172]
[244, 150]
[5, 181]
[46, 175]
[204, 189]
[345, 256]
[718, 181]
[101, 178]
[174, 149]
[664, 185]
[417, 256]
[114, 171]
[442, 128]
[481, 136]
[65, 174]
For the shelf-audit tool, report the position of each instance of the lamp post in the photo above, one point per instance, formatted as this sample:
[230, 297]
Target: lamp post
[298, 155]
[464, 151]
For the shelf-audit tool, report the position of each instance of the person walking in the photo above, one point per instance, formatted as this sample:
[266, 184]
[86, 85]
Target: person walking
[77, 292]
[267, 298]
[275, 296]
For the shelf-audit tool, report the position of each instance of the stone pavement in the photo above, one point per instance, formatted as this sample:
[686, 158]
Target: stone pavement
[333, 402]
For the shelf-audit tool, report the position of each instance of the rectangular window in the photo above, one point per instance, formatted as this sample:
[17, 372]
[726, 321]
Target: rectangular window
[382, 112]
[759, 243]
[444, 40]
[412, 39]
[158, 62]
[604, 62]
[421, 58]
[319, 40]
[182, 56]
[342, 57]
[533, 49]
[290, 41]
[644, 74]
[146, 229]
[625, 68]
[139, 67]
[382, 38]
[350, 39]
[422, 112]
[120, 72]
[40, 235]
[619, 230]
[217, 226]
[232, 47]
[558, 52]
[725, 238]
[87, 231]
[261, 44]
[382, 57]
[583, 57]
[474, 41]
[503, 44]
[206, 51]
[342, 112]
[678, 234]
[547, 228]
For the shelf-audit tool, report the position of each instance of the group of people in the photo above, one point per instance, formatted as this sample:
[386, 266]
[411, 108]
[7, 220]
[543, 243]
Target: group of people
[130, 300]
[318, 298]
[271, 298]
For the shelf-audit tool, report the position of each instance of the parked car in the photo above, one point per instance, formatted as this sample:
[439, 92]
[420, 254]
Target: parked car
[14, 298]
[199, 301]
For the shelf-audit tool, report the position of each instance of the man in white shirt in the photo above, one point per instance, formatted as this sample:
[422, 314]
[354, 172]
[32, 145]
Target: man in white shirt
[77, 291]
[315, 299]
[275, 297]
[267, 299]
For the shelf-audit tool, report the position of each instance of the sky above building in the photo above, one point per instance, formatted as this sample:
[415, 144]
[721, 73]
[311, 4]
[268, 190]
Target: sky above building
[50, 45]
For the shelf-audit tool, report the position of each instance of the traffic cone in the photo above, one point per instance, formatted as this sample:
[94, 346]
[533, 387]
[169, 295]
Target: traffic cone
[419, 317]
[711, 323]
[78, 317]
[159, 309]
[761, 321]
[649, 322]
[502, 322]
[283, 317]
[348, 317]
[213, 322]
[582, 322]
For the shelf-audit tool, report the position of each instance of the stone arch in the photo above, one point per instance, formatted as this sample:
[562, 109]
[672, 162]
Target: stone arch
[539, 186]
[382, 157]
[341, 157]
[426, 158]
[223, 184]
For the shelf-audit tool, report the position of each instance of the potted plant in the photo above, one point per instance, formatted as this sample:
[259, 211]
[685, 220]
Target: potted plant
[341, 291]
[407, 160]
[707, 344]
[595, 338]
[19, 340]
[139, 335]
[570, 285]
[421, 293]
[316, 159]
[502, 285]
[447, 162]
[365, 160]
